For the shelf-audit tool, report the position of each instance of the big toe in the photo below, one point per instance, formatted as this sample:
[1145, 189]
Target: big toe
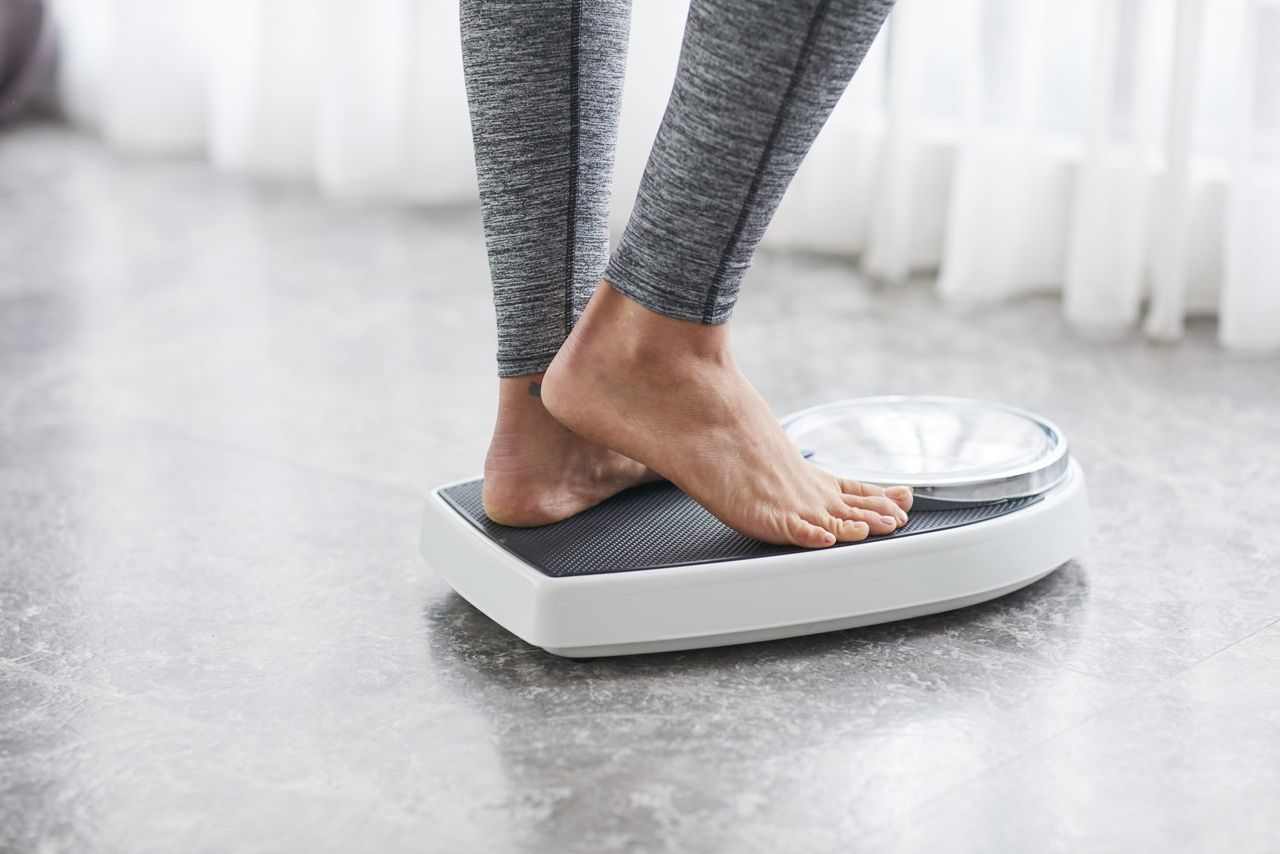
[901, 495]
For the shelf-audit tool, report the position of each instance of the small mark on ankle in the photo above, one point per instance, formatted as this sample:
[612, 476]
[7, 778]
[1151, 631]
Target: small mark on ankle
[535, 389]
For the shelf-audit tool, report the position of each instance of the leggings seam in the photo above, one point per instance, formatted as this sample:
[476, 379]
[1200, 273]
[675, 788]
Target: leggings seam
[570, 253]
[806, 49]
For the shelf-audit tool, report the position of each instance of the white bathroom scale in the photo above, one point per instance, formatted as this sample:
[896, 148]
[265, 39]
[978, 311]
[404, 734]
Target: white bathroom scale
[999, 503]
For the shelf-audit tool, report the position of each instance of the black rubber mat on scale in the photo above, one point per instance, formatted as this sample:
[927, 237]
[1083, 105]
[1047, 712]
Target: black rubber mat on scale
[657, 525]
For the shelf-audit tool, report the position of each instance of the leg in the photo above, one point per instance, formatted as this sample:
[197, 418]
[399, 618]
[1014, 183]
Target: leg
[543, 80]
[756, 82]
[648, 370]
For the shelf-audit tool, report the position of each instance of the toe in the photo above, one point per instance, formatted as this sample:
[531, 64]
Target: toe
[808, 535]
[901, 496]
[878, 504]
[847, 530]
[879, 523]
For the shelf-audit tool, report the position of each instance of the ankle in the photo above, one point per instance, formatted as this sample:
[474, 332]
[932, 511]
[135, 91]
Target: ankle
[644, 337]
[520, 396]
[521, 413]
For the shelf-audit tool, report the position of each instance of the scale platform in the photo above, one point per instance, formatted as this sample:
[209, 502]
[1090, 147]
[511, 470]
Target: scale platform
[999, 504]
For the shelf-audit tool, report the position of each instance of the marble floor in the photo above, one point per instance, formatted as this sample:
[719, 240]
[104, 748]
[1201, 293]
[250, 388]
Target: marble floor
[221, 406]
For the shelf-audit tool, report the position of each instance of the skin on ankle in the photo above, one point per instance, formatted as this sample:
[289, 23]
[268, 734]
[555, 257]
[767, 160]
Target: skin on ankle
[537, 471]
[666, 392]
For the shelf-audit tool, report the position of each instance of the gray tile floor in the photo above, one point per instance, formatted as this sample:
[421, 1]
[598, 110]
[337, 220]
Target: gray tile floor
[220, 409]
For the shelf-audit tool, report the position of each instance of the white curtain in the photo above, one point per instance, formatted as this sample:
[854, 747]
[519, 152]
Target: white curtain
[1123, 153]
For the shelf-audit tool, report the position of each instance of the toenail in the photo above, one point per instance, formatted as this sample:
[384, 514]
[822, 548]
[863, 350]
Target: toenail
[888, 520]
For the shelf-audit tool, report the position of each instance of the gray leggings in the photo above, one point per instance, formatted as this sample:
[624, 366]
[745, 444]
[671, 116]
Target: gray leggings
[757, 80]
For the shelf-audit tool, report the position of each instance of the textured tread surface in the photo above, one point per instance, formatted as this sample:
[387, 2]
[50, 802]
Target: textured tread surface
[656, 525]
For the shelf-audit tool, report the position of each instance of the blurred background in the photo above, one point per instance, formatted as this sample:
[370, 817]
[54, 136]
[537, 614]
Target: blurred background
[1123, 153]
[245, 325]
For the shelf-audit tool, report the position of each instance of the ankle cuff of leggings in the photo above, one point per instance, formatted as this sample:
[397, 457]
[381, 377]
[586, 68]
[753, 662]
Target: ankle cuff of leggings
[661, 295]
[523, 366]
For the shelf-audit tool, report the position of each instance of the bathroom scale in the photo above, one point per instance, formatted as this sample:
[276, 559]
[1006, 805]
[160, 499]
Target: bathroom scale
[999, 503]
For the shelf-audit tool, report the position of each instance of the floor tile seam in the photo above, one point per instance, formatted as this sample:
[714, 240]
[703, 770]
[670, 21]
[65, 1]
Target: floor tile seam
[1157, 681]
[1184, 670]
[1146, 692]
[1111, 680]
[1137, 618]
[1019, 754]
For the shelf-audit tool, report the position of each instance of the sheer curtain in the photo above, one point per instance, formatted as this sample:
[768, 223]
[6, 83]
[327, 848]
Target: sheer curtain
[1123, 153]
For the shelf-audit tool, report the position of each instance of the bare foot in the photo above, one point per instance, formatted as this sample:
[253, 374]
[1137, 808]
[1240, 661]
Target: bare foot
[666, 392]
[537, 471]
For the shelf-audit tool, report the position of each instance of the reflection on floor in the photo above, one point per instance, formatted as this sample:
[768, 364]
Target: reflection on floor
[221, 406]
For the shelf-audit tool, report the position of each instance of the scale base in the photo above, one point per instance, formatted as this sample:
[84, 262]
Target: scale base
[650, 571]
